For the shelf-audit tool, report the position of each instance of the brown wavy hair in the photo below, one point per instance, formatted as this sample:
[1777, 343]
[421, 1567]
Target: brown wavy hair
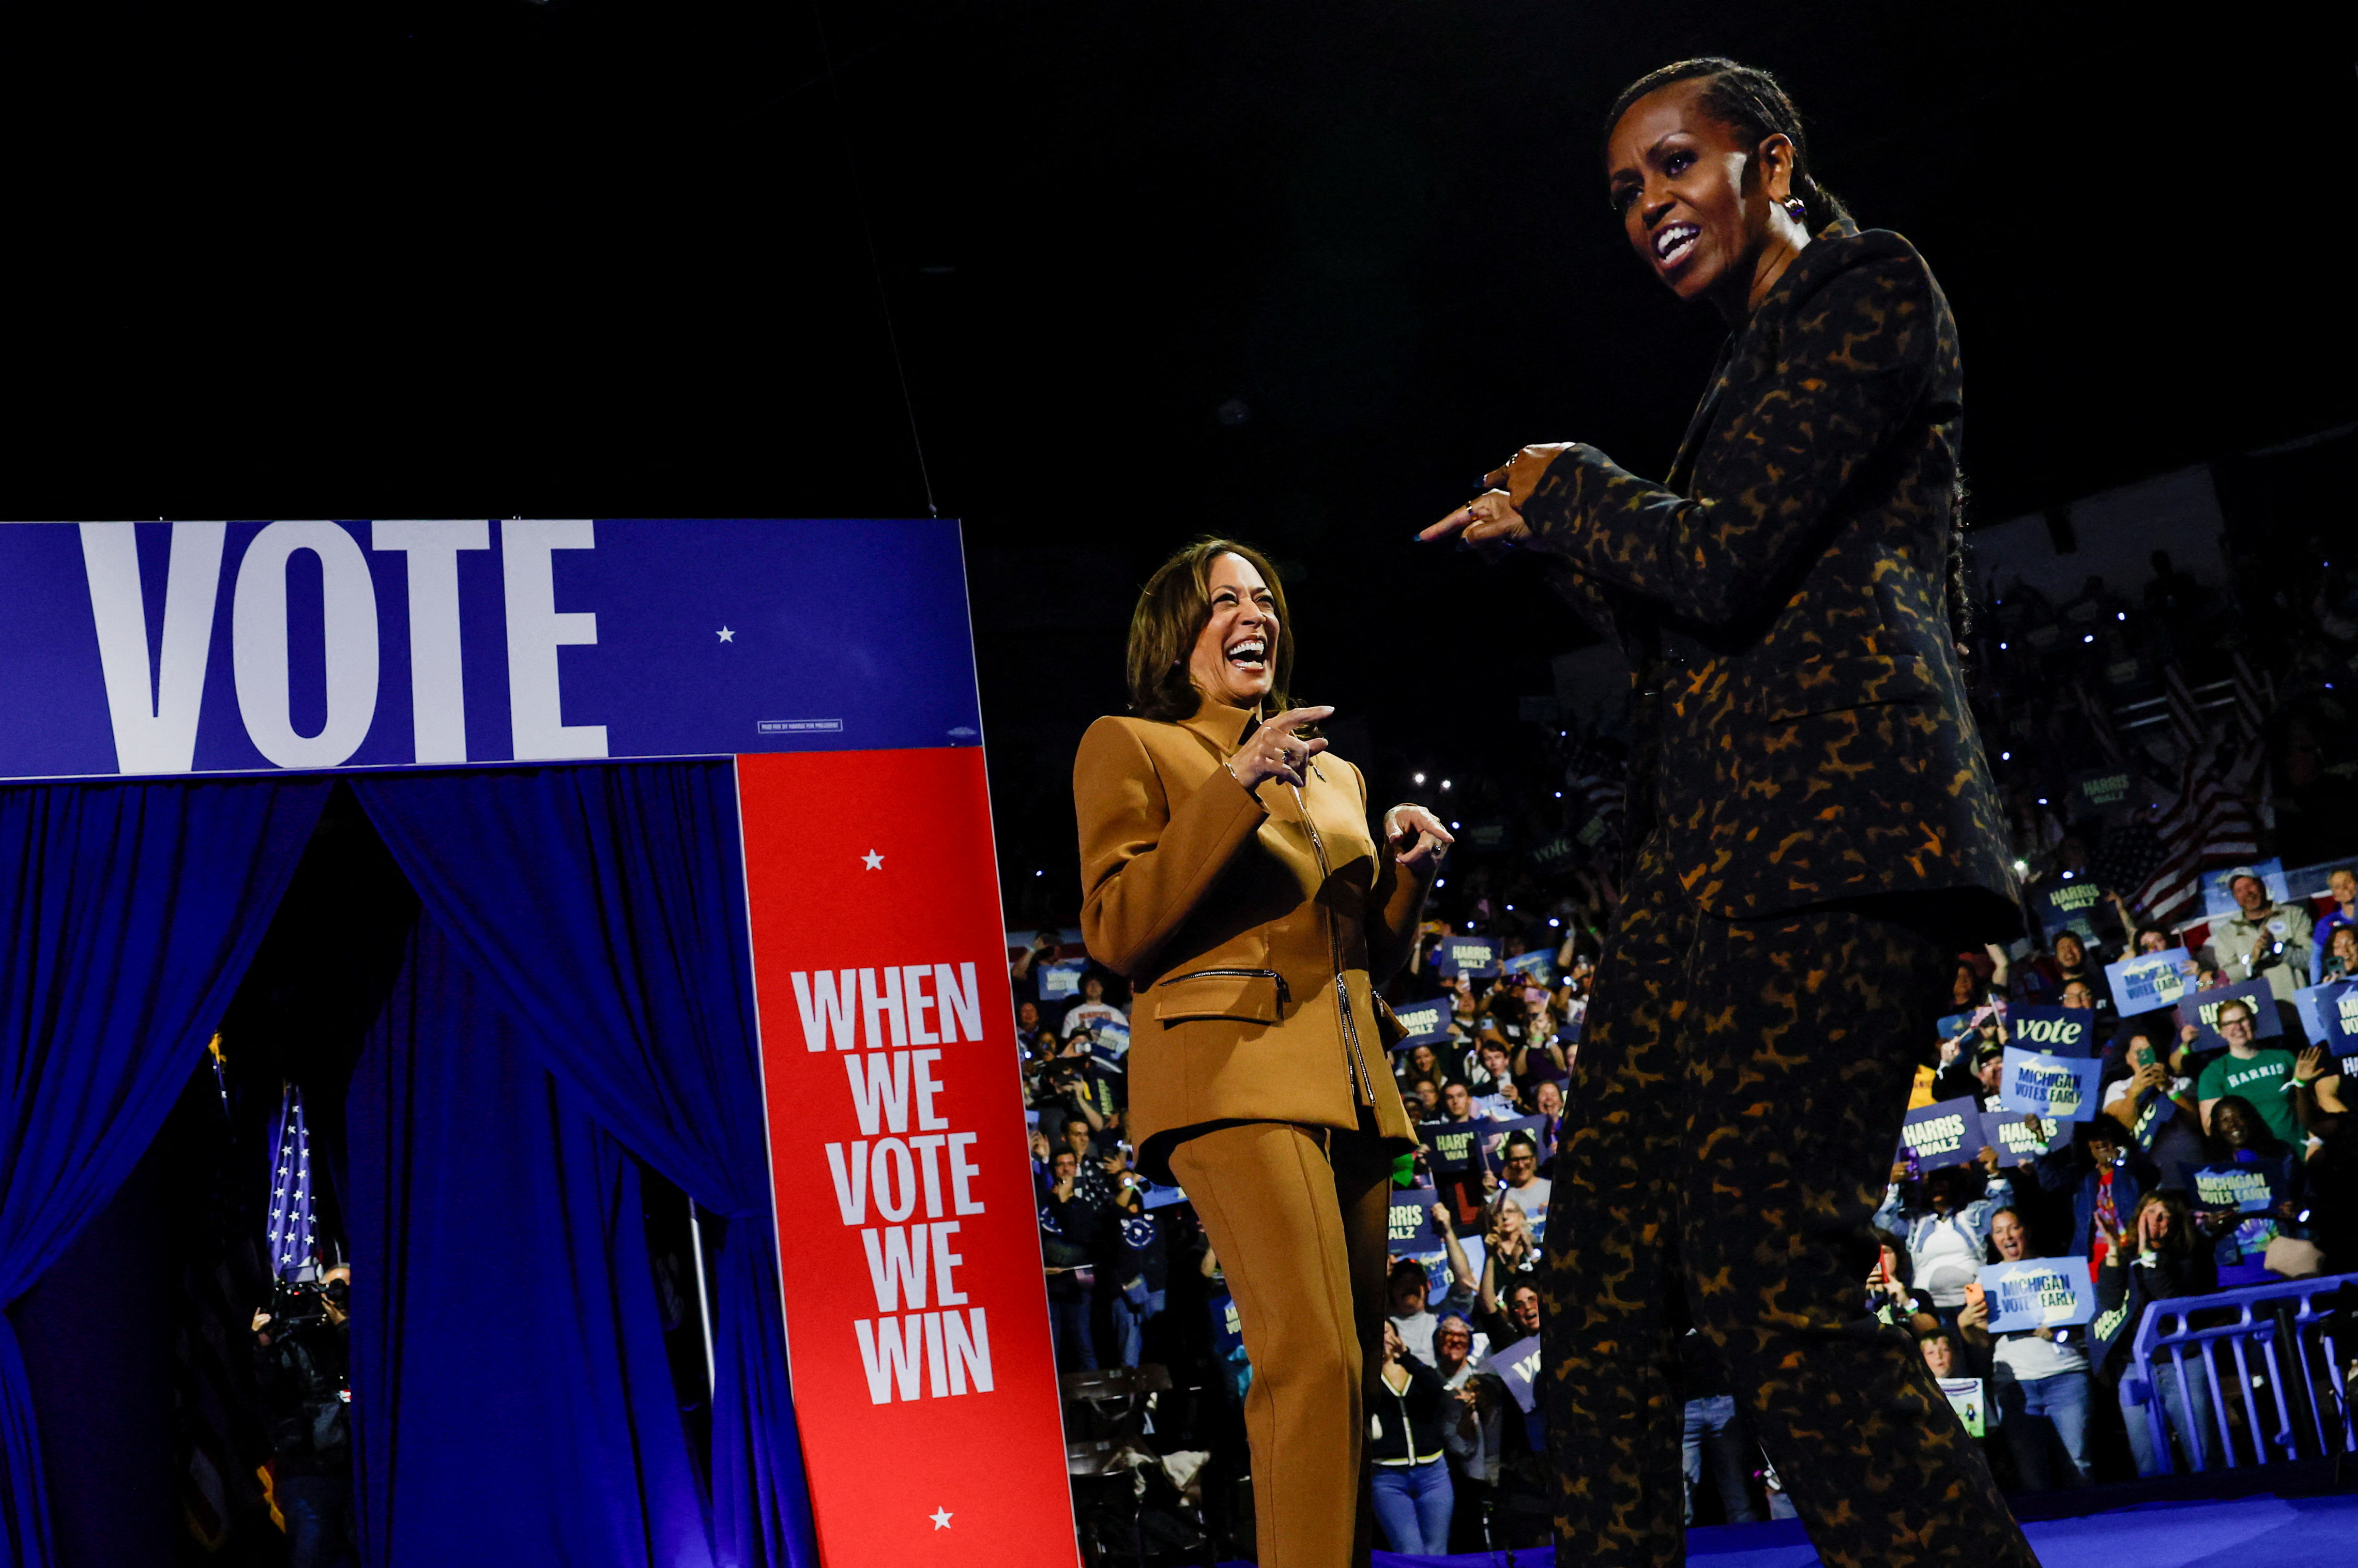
[1173, 610]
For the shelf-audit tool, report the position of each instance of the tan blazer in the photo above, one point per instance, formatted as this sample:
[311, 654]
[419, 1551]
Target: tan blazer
[1253, 938]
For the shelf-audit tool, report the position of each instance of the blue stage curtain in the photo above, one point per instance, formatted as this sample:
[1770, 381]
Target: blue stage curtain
[512, 1400]
[605, 905]
[133, 910]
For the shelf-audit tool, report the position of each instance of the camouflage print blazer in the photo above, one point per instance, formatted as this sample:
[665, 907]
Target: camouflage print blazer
[1803, 731]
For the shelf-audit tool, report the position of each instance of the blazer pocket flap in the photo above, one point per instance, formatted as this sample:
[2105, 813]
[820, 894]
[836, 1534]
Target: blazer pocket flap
[1246, 997]
[1828, 686]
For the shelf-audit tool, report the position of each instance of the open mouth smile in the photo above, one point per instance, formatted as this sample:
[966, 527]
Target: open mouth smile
[1250, 653]
[1675, 244]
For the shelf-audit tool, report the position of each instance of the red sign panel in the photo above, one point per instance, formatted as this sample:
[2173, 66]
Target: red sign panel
[917, 1309]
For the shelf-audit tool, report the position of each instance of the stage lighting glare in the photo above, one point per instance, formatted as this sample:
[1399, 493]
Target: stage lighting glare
[2001, 647]
[2042, 800]
[1444, 784]
[2089, 638]
[1554, 921]
[1420, 778]
[1559, 795]
[2021, 866]
[2120, 615]
[2005, 756]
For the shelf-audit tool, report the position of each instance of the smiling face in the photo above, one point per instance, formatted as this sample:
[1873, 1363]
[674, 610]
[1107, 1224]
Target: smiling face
[2343, 885]
[1698, 201]
[2235, 1028]
[2005, 1235]
[1235, 657]
[2233, 1127]
[2345, 946]
[2251, 894]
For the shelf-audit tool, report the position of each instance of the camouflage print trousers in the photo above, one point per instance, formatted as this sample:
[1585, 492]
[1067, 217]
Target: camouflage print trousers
[1737, 1095]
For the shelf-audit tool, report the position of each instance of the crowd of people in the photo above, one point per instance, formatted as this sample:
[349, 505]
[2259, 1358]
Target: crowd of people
[2219, 1156]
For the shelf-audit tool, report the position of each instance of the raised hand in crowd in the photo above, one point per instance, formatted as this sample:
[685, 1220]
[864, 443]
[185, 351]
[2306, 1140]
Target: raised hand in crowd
[1988, 1157]
[1275, 752]
[2309, 1066]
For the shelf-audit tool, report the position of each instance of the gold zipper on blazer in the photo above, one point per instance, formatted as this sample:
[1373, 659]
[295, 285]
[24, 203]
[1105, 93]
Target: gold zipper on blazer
[1284, 996]
[1363, 1088]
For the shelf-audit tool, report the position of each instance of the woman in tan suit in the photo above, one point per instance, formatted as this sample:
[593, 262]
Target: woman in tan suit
[1228, 871]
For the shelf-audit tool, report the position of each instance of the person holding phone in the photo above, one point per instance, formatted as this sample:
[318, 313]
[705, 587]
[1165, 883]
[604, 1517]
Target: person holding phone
[1229, 870]
[2159, 1255]
[1816, 837]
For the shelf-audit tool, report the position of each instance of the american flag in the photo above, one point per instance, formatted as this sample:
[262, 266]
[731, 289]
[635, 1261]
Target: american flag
[2100, 724]
[2208, 824]
[2185, 713]
[293, 1235]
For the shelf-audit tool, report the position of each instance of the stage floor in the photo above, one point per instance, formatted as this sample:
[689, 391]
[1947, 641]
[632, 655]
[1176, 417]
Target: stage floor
[2247, 1533]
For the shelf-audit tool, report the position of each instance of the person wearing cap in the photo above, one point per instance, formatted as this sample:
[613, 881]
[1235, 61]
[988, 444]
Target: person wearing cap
[2263, 937]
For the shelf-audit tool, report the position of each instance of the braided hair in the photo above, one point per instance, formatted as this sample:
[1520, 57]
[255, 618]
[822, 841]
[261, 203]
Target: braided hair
[1749, 100]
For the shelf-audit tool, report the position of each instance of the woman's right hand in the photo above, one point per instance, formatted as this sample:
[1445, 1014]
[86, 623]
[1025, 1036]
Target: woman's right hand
[1275, 752]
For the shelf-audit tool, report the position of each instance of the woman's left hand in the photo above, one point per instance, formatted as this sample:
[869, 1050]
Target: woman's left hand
[1417, 837]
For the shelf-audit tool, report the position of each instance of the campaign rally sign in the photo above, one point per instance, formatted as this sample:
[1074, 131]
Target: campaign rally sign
[2038, 1293]
[2218, 900]
[2101, 790]
[2240, 1189]
[831, 664]
[1965, 1397]
[1539, 966]
[1466, 955]
[2244, 1188]
[1518, 1367]
[1452, 1146]
[176, 648]
[2053, 1088]
[1427, 1023]
[1495, 1134]
[1947, 1132]
[2009, 1134]
[2312, 1003]
[2152, 983]
[1109, 1043]
[2339, 1014]
[1060, 978]
[1413, 1234]
[2201, 1008]
[2067, 906]
[2054, 1031]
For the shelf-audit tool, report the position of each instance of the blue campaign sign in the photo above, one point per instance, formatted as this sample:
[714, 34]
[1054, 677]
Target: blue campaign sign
[171, 648]
[2052, 1088]
[2152, 983]
[2217, 899]
[2339, 1013]
[2009, 1134]
[1518, 1367]
[1539, 966]
[1948, 1133]
[2054, 1031]
[1467, 955]
[1427, 1023]
[1109, 1043]
[2067, 906]
[2038, 1293]
[1412, 1230]
[2201, 1008]
[2312, 1003]
[1059, 979]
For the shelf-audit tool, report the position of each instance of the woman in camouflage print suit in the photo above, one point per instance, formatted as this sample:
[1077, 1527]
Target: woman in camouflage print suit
[1815, 835]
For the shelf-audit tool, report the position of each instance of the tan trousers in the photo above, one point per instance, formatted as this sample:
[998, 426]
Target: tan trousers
[1298, 1217]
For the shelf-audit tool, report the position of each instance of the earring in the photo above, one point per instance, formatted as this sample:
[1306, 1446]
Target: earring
[1798, 208]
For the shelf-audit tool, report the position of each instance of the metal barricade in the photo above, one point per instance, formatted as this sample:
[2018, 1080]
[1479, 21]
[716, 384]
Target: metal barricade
[2277, 1327]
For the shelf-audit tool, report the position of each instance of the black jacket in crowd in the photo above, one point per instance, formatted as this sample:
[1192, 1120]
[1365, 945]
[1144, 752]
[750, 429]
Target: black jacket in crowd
[1407, 1423]
[304, 1373]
